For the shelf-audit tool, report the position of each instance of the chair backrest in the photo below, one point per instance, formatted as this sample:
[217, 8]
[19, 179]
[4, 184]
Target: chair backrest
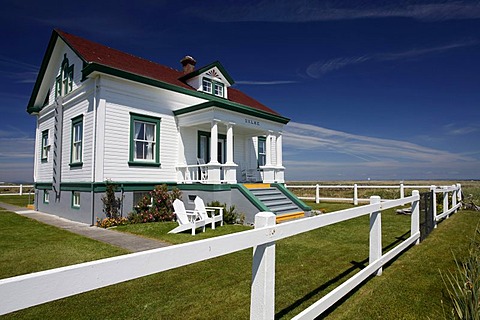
[180, 211]
[200, 207]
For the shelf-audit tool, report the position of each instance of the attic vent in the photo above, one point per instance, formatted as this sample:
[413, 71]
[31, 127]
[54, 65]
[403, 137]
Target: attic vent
[213, 73]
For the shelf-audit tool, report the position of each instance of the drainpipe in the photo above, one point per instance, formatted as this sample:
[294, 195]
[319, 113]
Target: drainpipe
[94, 144]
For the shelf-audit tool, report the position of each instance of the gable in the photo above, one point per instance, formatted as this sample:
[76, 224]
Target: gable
[58, 56]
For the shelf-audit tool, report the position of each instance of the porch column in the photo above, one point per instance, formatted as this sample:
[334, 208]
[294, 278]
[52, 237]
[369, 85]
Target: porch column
[214, 142]
[230, 143]
[230, 168]
[280, 171]
[279, 150]
[214, 165]
[268, 151]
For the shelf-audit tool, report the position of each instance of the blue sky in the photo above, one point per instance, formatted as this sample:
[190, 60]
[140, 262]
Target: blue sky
[375, 89]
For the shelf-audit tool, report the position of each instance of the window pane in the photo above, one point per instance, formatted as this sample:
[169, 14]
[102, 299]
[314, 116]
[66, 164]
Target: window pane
[139, 130]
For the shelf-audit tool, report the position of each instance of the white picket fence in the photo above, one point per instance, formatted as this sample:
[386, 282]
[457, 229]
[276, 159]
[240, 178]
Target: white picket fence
[22, 189]
[24, 291]
[355, 188]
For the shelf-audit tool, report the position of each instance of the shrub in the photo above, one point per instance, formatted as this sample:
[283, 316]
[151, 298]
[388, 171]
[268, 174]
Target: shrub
[111, 204]
[230, 216]
[156, 206]
[463, 284]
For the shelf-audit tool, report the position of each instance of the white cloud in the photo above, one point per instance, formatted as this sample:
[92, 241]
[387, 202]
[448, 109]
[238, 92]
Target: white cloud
[265, 83]
[305, 11]
[455, 129]
[313, 152]
[319, 68]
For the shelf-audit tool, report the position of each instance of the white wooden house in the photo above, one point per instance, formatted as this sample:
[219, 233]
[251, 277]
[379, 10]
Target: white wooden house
[103, 114]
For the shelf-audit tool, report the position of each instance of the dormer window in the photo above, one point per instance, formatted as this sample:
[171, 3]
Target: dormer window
[213, 87]
[219, 89]
[207, 85]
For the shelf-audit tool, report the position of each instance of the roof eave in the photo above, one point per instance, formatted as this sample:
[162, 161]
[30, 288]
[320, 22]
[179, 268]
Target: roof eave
[228, 105]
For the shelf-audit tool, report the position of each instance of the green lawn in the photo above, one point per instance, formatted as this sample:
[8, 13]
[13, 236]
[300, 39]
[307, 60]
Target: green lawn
[308, 266]
[21, 201]
[28, 246]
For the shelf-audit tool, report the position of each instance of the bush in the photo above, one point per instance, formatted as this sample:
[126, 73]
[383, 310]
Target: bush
[156, 206]
[463, 285]
[111, 204]
[230, 216]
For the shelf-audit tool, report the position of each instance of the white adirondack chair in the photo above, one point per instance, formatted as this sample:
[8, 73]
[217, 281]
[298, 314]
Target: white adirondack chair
[203, 212]
[187, 219]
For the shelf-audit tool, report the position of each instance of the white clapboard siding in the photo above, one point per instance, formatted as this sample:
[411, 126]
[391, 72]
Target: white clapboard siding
[117, 146]
[44, 169]
[83, 173]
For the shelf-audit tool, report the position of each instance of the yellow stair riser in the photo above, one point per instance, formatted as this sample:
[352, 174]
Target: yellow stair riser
[290, 216]
[256, 185]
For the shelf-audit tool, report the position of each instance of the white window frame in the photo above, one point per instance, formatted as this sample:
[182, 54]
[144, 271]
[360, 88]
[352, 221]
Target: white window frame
[76, 154]
[75, 199]
[45, 146]
[46, 196]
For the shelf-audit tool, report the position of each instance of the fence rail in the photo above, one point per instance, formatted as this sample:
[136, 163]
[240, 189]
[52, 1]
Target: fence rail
[25, 291]
[21, 190]
[355, 187]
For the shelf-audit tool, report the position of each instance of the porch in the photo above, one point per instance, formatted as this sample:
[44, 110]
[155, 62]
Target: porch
[218, 146]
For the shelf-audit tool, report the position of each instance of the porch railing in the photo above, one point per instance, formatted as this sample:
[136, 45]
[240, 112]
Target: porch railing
[207, 173]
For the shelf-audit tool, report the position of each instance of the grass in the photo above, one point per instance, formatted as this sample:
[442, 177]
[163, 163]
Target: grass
[28, 246]
[21, 201]
[308, 266]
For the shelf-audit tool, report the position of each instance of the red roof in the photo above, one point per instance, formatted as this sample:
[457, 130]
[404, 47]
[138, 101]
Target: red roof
[93, 52]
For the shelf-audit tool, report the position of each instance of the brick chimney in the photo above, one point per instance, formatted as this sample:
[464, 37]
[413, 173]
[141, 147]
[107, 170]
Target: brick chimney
[188, 64]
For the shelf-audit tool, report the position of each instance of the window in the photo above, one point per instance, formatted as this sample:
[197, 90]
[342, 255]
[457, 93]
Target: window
[77, 141]
[64, 81]
[219, 89]
[262, 147]
[144, 140]
[207, 85]
[46, 196]
[45, 146]
[213, 87]
[76, 199]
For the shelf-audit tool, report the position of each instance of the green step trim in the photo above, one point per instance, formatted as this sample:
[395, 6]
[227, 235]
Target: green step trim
[251, 197]
[292, 197]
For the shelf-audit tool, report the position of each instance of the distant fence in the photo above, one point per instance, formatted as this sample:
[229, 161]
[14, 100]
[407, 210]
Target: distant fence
[33, 289]
[355, 187]
[17, 190]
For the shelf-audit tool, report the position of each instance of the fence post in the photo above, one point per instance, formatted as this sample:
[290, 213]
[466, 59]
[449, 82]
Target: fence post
[402, 191]
[434, 205]
[415, 223]
[459, 193]
[375, 234]
[454, 198]
[21, 189]
[262, 299]
[317, 193]
[445, 203]
[355, 194]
